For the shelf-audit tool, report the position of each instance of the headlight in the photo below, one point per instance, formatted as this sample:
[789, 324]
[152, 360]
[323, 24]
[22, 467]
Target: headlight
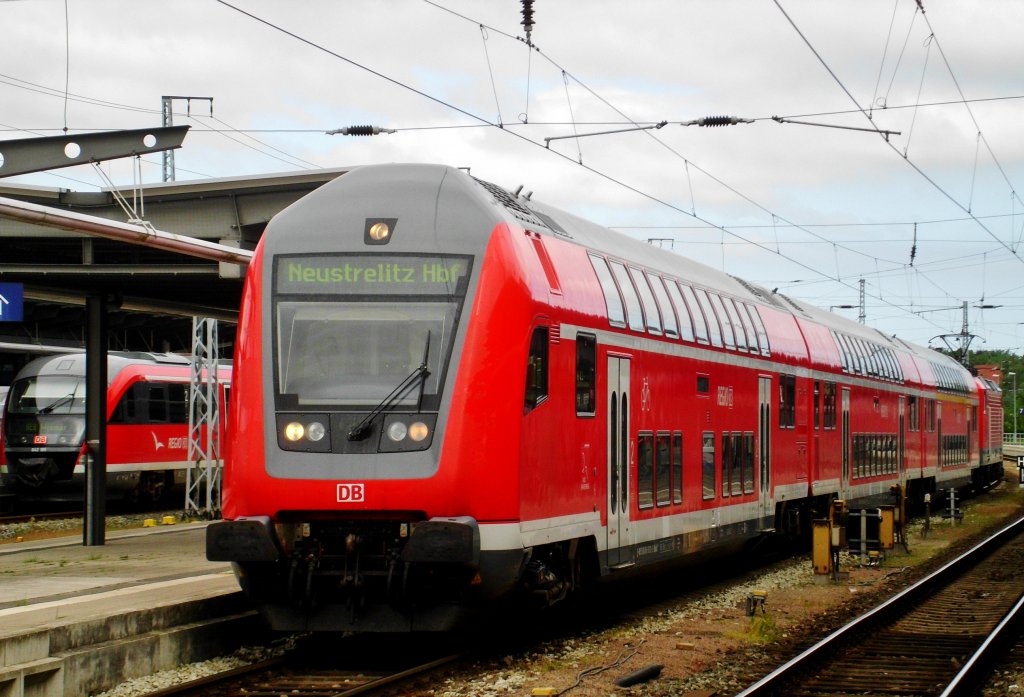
[316, 431]
[397, 431]
[294, 431]
[418, 431]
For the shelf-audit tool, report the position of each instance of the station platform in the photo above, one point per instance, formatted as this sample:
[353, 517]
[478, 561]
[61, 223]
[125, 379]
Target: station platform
[76, 620]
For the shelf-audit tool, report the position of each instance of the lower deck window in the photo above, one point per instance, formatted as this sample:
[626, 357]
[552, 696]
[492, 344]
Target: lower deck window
[708, 465]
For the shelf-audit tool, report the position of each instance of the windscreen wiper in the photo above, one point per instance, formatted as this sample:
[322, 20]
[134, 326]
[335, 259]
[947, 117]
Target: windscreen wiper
[56, 403]
[362, 429]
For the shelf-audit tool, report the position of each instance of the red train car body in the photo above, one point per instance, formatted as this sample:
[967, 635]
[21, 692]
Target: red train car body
[446, 393]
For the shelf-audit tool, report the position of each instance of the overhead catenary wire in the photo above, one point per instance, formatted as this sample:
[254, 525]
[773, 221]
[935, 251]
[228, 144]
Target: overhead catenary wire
[481, 119]
[906, 159]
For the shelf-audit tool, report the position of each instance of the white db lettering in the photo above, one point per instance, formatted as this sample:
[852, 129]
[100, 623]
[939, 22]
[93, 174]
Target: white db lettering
[351, 492]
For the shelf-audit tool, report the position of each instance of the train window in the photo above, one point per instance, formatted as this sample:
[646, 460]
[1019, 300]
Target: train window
[177, 403]
[787, 401]
[647, 300]
[677, 467]
[714, 330]
[537, 369]
[859, 361]
[762, 333]
[866, 354]
[157, 411]
[748, 327]
[736, 479]
[817, 404]
[726, 462]
[830, 406]
[683, 312]
[634, 315]
[586, 374]
[737, 325]
[703, 384]
[708, 465]
[844, 357]
[913, 419]
[894, 368]
[875, 356]
[727, 332]
[899, 366]
[748, 463]
[700, 325]
[668, 316]
[612, 299]
[645, 470]
[663, 465]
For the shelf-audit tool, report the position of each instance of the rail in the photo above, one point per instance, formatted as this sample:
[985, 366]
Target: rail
[867, 623]
[1013, 439]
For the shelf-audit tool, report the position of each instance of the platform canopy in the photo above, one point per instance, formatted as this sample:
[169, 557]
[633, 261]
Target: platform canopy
[153, 292]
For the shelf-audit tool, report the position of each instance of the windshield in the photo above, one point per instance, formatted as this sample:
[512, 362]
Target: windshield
[58, 394]
[354, 351]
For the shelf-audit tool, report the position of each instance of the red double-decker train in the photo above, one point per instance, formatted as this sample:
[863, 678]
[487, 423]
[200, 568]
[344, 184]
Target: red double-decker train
[447, 393]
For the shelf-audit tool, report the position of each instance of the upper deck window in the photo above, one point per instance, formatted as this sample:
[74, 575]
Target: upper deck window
[634, 315]
[714, 329]
[700, 325]
[647, 299]
[350, 329]
[683, 312]
[737, 325]
[612, 299]
[667, 315]
[723, 317]
[762, 333]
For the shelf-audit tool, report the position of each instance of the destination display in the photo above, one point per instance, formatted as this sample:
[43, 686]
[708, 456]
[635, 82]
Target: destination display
[371, 275]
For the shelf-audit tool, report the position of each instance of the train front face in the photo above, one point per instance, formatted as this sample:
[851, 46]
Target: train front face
[44, 426]
[341, 511]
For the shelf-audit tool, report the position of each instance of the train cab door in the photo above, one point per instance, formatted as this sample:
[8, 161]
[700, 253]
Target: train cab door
[844, 482]
[764, 452]
[619, 449]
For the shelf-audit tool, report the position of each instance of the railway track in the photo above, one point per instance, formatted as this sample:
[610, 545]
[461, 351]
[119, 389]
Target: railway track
[277, 677]
[29, 517]
[934, 638]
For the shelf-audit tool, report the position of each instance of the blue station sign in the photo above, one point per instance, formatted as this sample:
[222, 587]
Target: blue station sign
[12, 302]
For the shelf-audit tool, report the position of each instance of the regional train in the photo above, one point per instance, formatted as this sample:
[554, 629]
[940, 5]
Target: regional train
[147, 410]
[446, 394]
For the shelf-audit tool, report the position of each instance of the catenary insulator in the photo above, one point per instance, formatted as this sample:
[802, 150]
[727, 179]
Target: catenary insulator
[528, 18]
[359, 131]
[712, 121]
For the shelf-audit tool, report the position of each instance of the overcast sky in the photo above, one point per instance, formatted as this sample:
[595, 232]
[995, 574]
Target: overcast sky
[806, 209]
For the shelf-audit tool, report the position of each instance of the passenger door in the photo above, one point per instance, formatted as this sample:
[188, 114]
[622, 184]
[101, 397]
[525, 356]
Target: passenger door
[844, 483]
[764, 453]
[619, 449]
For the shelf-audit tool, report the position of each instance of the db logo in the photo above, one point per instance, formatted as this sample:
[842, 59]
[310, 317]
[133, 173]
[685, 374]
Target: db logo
[351, 492]
[39, 440]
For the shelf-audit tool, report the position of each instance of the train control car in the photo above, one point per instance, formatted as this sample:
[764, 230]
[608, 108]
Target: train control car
[990, 430]
[448, 394]
[147, 426]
